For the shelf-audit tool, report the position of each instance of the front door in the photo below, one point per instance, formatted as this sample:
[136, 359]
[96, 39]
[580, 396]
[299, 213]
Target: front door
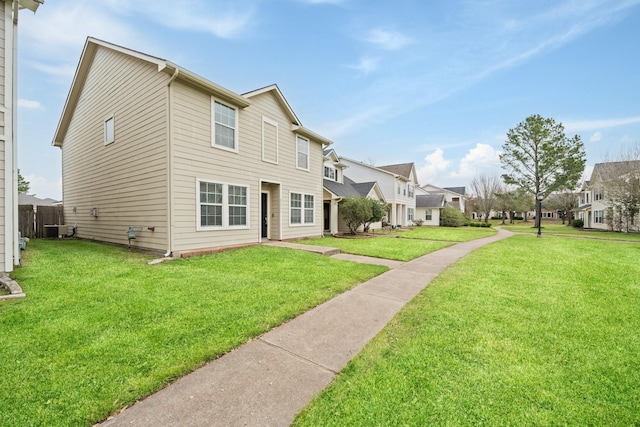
[327, 216]
[264, 214]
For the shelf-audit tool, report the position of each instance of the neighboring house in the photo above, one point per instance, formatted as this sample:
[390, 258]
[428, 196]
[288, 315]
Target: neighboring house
[429, 207]
[183, 163]
[337, 187]
[28, 199]
[583, 211]
[455, 197]
[336, 192]
[9, 241]
[594, 204]
[398, 185]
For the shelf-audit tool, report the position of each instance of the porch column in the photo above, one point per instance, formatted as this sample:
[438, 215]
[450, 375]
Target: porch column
[333, 217]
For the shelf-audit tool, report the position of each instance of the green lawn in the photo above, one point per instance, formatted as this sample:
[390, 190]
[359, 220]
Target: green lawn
[451, 234]
[101, 328]
[387, 247]
[524, 331]
[553, 228]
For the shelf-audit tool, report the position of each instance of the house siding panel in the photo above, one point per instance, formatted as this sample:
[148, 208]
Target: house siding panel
[194, 157]
[126, 181]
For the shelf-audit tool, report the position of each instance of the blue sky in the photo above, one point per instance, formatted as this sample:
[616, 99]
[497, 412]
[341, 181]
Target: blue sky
[438, 83]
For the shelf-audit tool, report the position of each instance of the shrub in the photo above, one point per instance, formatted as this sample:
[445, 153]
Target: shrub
[418, 222]
[578, 223]
[480, 224]
[451, 217]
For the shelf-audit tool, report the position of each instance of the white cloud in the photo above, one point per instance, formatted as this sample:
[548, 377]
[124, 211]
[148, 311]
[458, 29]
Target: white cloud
[29, 104]
[588, 125]
[366, 65]
[596, 137]
[44, 188]
[389, 40]
[483, 158]
[435, 167]
[222, 19]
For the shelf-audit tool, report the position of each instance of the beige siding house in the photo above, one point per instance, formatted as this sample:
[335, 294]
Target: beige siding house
[337, 187]
[397, 182]
[184, 164]
[9, 243]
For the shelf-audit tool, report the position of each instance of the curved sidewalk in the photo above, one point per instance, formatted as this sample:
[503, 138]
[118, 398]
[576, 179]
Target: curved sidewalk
[268, 380]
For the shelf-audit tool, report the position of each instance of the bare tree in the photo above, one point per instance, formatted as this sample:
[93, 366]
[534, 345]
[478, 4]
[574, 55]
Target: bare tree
[564, 202]
[619, 180]
[484, 189]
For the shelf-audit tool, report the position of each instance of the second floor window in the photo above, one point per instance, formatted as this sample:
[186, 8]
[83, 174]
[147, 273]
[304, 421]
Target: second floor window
[302, 150]
[330, 173]
[225, 130]
[598, 194]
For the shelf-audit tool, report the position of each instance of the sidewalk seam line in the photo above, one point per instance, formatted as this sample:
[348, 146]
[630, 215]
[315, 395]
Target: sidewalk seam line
[297, 356]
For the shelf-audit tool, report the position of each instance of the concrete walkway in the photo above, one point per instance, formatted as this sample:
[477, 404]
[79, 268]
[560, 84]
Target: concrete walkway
[268, 380]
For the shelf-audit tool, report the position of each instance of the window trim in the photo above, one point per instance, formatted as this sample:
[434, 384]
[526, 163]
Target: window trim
[335, 173]
[428, 214]
[302, 209]
[236, 147]
[225, 206]
[275, 124]
[109, 120]
[411, 214]
[299, 138]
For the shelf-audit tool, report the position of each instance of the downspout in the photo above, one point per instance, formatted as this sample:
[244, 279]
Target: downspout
[174, 76]
[9, 141]
[14, 139]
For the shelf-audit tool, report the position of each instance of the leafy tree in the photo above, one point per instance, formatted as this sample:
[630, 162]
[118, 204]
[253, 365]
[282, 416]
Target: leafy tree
[451, 217]
[484, 189]
[379, 210]
[539, 158]
[23, 184]
[362, 211]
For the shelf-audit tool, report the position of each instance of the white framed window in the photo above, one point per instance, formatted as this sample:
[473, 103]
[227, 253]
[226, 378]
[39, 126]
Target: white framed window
[222, 205]
[302, 153]
[428, 215]
[598, 194]
[270, 140]
[410, 214]
[330, 173]
[598, 217]
[225, 126]
[109, 131]
[411, 189]
[302, 209]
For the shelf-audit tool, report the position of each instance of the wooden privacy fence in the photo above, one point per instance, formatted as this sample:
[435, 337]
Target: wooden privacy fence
[31, 222]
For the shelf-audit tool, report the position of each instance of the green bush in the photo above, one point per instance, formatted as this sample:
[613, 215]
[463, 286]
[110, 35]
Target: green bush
[479, 224]
[578, 223]
[451, 217]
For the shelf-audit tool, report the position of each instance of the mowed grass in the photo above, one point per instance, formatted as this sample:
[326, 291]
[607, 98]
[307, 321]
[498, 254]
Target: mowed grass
[101, 328]
[387, 247]
[450, 234]
[553, 228]
[524, 331]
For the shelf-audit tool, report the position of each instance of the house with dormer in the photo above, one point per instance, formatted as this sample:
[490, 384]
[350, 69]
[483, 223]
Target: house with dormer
[397, 182]
[156, 156]
[609, 200]
[338, 187]
[456, 197]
